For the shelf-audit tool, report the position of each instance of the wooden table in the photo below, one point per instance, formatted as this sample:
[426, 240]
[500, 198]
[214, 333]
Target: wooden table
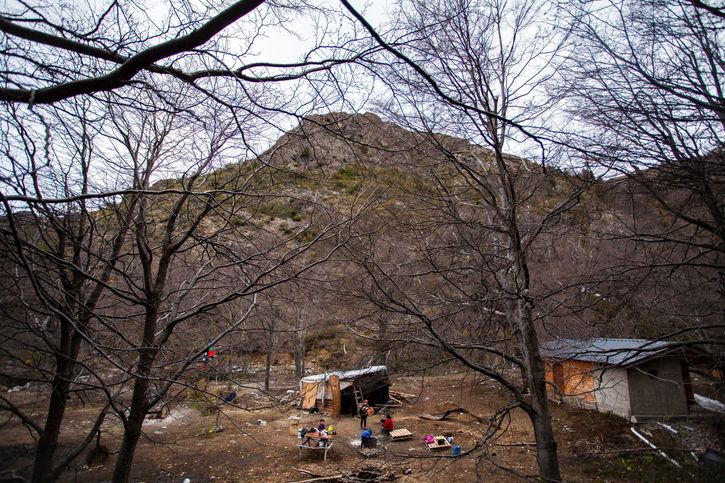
[327, 444]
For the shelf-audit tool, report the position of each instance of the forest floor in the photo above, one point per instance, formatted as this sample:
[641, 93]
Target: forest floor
[257, 445]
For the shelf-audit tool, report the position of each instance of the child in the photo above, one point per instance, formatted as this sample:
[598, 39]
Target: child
[365, 438]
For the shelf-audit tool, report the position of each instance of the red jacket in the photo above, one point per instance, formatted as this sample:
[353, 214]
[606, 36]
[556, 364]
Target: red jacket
[388, 424]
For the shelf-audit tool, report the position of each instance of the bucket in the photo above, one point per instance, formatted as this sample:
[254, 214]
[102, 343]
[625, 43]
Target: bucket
[456, 450]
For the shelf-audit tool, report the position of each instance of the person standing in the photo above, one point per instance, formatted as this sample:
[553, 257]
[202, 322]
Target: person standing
[363, 410]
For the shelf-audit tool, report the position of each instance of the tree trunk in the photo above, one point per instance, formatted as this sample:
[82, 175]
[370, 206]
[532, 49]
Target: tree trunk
[132, 431]
[516, 283]
[48, 442]
[546, 452]
[383, 345]
[268, 364]
[299, 344]
[139, 399]
[229, 372]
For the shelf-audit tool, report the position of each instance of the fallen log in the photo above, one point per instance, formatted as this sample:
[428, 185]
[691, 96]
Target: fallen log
[450, 411]
[515, 444]
[321, 478]
[402, 396]
[307, 472]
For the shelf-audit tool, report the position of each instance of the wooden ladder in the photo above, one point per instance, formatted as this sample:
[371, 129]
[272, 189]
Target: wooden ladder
[358, 396]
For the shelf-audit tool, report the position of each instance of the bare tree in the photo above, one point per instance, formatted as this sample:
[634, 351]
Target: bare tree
[162, 255]
[193, 229]
[144, 247]
[89, 41]
[645, 84]
[475, 69]
[61, 256]
[116, 44]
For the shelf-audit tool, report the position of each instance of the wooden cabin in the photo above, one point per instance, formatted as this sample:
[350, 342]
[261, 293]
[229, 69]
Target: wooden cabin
[633, 378]
[340, 391]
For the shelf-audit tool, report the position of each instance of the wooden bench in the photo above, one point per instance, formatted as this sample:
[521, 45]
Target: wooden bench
[328, 443]
[400, 434]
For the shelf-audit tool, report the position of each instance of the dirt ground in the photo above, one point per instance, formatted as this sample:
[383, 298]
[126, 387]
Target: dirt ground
[258, 445]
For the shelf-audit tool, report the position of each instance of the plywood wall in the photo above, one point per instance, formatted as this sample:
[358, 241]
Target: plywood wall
[308, 394]
[572, 378]
[579, 380]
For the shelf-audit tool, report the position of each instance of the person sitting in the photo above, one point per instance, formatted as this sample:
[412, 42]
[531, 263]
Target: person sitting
[365, 438]
[322, 426]
[309, 435]
[231, 397]
[387, 425]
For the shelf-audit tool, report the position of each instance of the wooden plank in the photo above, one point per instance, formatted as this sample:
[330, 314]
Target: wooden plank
[336, 396]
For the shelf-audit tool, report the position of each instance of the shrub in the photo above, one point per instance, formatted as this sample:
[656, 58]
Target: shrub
[201, 402]
[307, 235]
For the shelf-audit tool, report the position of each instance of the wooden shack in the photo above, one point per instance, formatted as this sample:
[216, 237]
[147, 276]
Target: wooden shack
[340, 391]
[633, 378]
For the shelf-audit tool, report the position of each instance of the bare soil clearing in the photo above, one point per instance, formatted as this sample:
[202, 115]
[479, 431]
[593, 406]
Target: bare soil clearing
[257, 445]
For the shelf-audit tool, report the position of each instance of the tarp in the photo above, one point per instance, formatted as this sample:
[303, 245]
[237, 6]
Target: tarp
[344, 375]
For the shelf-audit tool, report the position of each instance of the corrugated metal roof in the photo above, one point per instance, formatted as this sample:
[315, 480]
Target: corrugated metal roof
[615, 352]
[344, 374]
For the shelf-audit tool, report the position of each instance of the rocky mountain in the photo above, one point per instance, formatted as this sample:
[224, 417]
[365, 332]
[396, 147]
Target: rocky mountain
[600, 252]
[594, 273]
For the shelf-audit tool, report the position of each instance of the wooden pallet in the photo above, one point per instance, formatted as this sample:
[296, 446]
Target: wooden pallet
[400, 434]
[439, 443]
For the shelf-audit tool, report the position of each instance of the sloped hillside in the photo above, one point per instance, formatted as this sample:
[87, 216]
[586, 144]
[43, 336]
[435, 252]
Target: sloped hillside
[589, 264]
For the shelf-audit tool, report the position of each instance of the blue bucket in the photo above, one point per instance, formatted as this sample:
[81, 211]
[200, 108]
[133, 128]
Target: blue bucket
[456, 450]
